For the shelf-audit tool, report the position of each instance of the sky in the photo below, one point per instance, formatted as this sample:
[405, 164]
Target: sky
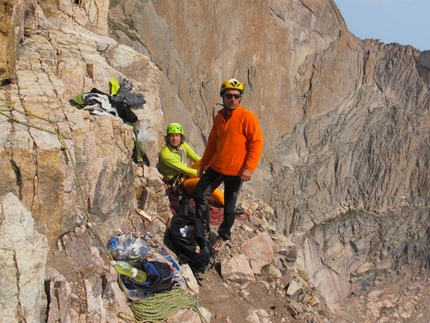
[406, 22]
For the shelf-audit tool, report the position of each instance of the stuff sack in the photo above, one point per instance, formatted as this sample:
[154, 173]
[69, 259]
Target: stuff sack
[134, 99]
[159, 279]
[190, 243]
[125, 95]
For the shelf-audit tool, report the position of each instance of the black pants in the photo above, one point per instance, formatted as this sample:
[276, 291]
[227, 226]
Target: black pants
[210, 180]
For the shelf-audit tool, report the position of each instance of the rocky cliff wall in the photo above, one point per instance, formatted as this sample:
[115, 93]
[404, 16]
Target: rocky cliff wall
[62, 162]
[345, 120]
[320, 93]
[346, 126]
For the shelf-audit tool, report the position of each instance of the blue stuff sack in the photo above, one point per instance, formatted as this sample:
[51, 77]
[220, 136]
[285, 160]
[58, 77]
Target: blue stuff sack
[159, 279]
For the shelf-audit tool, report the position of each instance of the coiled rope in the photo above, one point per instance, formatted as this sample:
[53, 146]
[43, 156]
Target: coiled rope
[161, 306]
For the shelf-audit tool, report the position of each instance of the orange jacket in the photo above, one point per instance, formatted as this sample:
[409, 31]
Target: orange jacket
[234, 144]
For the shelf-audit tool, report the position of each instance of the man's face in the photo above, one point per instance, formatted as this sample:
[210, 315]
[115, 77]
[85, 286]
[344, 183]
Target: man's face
[174, 139]
[231, 99]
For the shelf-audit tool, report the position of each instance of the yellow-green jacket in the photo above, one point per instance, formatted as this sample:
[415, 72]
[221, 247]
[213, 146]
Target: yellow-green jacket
[172, 162]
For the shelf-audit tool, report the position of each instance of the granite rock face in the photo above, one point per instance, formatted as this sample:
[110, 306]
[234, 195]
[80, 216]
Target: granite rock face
[23, 257]
[61, 161]
[346, 122]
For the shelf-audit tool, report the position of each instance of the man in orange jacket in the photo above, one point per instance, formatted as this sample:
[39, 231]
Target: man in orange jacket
[233, 151]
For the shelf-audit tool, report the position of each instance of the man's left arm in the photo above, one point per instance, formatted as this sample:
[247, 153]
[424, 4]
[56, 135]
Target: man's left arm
[254, 147]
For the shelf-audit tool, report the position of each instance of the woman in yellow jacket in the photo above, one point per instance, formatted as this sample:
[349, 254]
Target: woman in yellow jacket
[172, 162]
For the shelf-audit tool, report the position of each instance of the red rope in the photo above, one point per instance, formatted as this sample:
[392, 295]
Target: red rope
[216, 210]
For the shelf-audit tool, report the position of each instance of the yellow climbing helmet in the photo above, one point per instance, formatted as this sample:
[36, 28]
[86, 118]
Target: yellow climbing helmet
[231, 84]
[175, 128]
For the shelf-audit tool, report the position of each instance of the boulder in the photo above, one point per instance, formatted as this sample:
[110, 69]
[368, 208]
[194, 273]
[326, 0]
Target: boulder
[259, 251]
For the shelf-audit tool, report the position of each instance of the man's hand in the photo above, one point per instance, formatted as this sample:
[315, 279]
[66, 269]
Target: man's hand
[246, 175]
[201, 170]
